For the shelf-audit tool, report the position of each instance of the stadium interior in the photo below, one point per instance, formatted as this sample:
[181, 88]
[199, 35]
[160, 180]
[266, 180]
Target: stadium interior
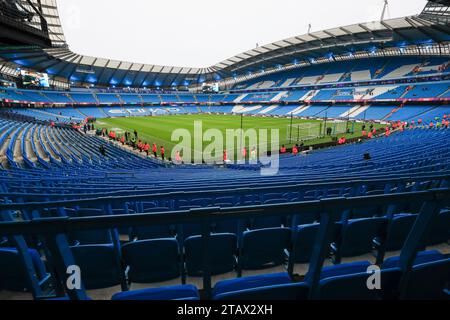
[78, 192]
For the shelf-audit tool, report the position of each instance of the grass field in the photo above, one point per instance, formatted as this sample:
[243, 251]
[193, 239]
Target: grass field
[159, 129]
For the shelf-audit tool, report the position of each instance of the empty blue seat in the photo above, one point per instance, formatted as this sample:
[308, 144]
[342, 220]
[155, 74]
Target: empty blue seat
[222, 254]
[357, 236]
[399, 228]
[422, 257]
[99, 265]
[290, 291]
[441, 229]
[182, 292]
[152, 260]
[239, 284]
[354, 286]
[263, 248]
[303, 239]
[428, 280]
[13, 274]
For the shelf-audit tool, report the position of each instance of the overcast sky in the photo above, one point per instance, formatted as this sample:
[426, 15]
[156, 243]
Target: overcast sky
[201, 33]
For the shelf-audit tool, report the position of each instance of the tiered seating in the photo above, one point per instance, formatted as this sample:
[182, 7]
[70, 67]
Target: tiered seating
[63, 164]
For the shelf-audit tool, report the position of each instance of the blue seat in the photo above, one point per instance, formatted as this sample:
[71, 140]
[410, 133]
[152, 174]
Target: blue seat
[354, 286]
[182, 292]
[99, 265]
[263, 248]
[303, 239]
[344, 269]
[222, 254]
[441, 229]
[290, 291]
[422, 257]
[152, 260]
[239, 284]
[13, 274]
[357, 236]
[398, 230]
[428, 280]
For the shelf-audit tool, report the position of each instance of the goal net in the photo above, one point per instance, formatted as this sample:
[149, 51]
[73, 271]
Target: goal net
[303, 131]
[308, 131]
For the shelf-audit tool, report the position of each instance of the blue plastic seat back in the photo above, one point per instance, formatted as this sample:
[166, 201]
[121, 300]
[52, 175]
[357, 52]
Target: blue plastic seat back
[428, 280]
[358, 286]
[98, 264]
[398, 231]
[291, 291]
[183, 292]
[152, 260]
[222, 254]
[264, 247]
[421, 258]
[13, 274]
[251, 282]
[304, 238]
[440, 232]
[358, 235]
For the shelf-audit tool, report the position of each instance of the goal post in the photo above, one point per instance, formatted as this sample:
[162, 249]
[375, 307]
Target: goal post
[303, 131]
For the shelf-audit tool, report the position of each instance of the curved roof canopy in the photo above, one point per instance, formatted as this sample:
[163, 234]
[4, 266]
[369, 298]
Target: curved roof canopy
[64, 65]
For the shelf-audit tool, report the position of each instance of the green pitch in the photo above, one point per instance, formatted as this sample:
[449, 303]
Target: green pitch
[159, 129]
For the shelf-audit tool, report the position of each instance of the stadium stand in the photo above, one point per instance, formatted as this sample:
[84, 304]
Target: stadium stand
[139, 228]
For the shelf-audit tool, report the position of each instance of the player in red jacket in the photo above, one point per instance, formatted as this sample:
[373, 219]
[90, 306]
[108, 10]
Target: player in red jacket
[146, 148]
[295, 150]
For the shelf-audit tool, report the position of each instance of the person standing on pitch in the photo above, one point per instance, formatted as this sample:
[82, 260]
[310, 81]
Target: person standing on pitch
[163, 152]
[155, 150]
[295, 150]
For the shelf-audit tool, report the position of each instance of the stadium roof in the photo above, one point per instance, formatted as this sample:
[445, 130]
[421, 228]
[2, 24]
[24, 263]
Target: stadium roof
[421, 34]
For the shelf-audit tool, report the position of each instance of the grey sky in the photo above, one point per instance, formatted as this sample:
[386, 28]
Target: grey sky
[200, 33]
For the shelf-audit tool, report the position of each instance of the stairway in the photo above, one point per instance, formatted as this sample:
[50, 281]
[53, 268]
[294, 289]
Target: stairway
[103, 111]
[95, 97]
[354, 112]
[299, 110]
[392, 112]
[70, 98]
[279, 96]
[444, 93]
[310, 95]
[406, 91]
[120, 99]
[240, 98]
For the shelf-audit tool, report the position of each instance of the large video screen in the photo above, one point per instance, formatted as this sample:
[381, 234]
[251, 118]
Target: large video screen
[34, 79]
[212, 88]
